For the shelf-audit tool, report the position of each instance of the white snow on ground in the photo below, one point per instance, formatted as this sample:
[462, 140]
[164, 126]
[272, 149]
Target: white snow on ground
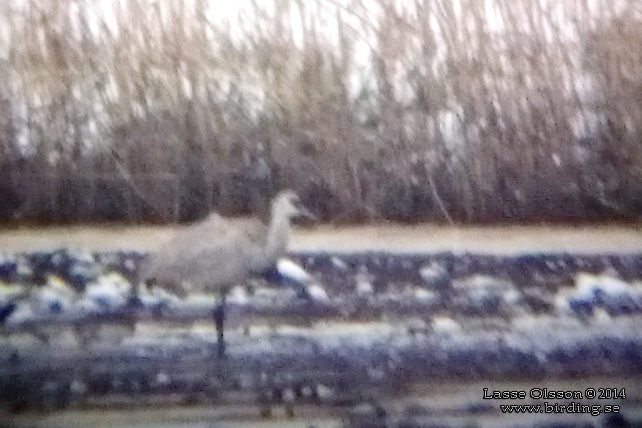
[605, 292]
[107, 292]
[318, 293]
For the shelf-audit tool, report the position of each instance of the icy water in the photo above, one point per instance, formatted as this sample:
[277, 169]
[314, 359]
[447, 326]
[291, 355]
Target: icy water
[514, 254]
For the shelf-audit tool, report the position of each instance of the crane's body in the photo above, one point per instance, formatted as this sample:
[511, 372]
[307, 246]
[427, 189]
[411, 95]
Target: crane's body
[217, 253]
[211, 255]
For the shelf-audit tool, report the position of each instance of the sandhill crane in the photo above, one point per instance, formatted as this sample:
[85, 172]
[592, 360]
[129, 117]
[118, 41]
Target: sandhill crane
[218, 253]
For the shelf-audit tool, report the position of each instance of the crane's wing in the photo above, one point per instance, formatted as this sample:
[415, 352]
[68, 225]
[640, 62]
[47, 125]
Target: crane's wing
[209, 255]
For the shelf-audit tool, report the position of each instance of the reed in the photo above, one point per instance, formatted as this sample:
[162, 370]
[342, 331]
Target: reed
[467, 111]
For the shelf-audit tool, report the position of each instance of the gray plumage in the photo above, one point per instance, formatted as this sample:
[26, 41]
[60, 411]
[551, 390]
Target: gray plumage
[218, 252]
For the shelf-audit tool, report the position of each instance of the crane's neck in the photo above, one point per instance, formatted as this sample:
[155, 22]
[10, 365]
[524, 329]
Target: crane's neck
[278, 235]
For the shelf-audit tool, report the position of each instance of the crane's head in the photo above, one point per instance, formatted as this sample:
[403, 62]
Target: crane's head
[288, 204]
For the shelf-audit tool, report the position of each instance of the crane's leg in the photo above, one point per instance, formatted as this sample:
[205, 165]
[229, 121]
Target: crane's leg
[219, 319]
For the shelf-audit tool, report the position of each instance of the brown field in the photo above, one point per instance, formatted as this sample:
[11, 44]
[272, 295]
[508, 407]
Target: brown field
[394, 238]
[446, 402]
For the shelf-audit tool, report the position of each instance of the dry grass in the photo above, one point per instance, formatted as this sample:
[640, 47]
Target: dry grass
[520, 110]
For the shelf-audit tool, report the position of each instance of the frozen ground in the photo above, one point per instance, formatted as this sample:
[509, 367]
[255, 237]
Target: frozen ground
[426, 292]
[420, 238]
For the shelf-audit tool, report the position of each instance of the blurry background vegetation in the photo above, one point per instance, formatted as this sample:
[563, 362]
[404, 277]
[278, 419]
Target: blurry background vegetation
[411, 110]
